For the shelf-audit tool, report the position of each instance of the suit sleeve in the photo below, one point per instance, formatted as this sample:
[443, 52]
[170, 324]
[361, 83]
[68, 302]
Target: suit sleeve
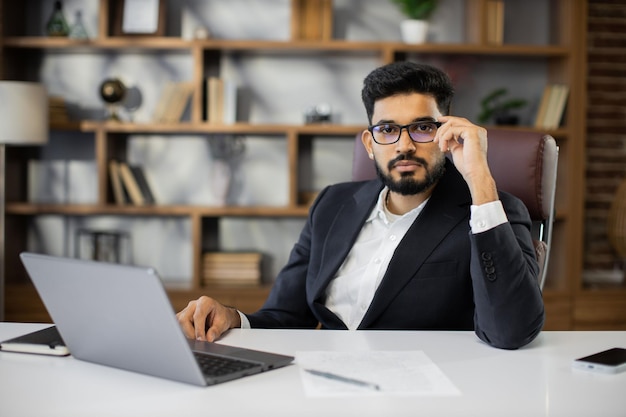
[286, 305]
[509, 310]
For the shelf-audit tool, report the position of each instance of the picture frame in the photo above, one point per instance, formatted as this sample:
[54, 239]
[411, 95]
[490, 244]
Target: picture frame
[139, 18]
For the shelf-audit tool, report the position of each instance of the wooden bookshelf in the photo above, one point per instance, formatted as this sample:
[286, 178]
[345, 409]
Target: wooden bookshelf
[564, 55]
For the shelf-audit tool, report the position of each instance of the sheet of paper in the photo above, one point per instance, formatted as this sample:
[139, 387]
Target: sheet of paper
[404, 373]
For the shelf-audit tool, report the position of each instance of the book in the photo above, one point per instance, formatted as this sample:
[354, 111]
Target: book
[219, 116]
[177, 103]
[235, 257]
[141, 180]
[164, 99]
[214, 86]
[131, 185]
[221, 100]
[57, 110]
[495, 22]
[230, 283]
[549, 117]
[47, 341]
[229, 101]
[559, 106]
[552, 106]
[119, 195]
[543, 106]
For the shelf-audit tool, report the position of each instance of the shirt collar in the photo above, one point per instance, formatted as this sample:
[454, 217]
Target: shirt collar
[379, 209]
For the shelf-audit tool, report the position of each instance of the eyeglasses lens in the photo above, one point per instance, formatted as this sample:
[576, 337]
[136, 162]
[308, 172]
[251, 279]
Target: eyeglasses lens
[419, 132]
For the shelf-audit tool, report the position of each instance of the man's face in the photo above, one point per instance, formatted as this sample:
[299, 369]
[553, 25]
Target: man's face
[406, 167]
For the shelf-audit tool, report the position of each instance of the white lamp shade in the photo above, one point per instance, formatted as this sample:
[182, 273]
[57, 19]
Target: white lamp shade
[23, 113]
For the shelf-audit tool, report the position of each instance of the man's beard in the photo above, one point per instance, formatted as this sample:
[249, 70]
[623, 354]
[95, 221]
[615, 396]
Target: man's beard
[407, 185]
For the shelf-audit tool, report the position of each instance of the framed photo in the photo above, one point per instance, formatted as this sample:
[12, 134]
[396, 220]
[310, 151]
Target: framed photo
[140, 18]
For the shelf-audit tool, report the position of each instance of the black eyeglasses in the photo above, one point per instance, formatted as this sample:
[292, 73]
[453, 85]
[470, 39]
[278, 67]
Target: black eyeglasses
[389, 133]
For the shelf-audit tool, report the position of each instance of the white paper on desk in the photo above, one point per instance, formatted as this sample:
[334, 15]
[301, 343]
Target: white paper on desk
[405, 373]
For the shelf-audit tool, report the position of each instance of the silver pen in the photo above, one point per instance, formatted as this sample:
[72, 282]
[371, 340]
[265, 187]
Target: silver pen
[345, 379]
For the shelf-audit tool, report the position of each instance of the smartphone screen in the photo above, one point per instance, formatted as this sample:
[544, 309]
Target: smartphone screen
[611, 360]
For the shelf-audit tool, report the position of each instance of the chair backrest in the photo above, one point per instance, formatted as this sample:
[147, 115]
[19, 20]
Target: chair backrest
[522, 163]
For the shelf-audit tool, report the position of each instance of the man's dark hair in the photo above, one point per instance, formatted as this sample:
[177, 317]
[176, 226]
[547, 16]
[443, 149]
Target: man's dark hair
[405, 77]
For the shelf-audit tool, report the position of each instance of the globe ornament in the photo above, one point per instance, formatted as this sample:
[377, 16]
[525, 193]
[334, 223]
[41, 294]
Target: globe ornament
[112, 91]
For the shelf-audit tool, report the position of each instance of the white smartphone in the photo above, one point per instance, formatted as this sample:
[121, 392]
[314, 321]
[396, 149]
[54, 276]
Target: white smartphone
[47, 341]
[610, 361]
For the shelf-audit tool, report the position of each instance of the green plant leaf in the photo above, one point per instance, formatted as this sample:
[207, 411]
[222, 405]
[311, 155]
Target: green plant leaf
[493, 96]
[494, 103]
[417, 9]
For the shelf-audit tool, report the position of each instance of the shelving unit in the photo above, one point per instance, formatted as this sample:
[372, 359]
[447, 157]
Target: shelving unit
[311, 30]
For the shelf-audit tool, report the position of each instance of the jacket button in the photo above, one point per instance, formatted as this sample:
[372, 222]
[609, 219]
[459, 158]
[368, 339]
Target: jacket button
[491, 277]
[486, 256]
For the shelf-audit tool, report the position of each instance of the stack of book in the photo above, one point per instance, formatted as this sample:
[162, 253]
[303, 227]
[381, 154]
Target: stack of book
[552, 106]
[130, 184]
[231, 268]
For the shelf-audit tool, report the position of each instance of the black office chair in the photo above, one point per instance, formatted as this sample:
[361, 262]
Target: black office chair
[523, 164]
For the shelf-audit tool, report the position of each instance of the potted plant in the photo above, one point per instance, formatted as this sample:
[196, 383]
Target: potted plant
[415, 28]
[495, 107]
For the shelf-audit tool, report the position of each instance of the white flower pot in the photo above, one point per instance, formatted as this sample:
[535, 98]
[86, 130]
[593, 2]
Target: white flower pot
[414, 31]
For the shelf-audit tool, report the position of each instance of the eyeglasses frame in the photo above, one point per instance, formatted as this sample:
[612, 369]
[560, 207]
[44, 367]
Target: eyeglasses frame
[406, 126]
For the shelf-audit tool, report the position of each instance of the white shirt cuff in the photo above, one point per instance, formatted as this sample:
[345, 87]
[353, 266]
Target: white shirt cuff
[487, 216]
[245, 323]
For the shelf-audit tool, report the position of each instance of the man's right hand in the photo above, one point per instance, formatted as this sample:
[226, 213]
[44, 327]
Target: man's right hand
[206, 319]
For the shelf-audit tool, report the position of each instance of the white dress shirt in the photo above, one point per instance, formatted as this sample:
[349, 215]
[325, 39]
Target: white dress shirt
[352, 289]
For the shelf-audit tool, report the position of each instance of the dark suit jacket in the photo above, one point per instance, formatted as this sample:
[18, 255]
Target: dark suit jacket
[440, 277]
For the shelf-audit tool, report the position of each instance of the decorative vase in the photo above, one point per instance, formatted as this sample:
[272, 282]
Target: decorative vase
[57, 25]
[414, 31]
[221, 181]
[227, 154]
[506, 119]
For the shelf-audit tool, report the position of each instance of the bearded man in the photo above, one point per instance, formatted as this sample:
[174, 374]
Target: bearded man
[431, 244]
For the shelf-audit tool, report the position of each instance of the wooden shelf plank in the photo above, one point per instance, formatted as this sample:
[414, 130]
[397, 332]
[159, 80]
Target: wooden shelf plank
[237, 128]
[129, 43]
[255, 129]
[42, 42]
[248, 128]
[28, 209]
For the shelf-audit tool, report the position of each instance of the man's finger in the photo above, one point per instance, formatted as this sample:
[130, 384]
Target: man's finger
[219, 324]
[203, 309]
[185, 318]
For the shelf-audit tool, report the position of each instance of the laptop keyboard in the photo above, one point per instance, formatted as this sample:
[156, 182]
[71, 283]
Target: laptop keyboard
[215, 366]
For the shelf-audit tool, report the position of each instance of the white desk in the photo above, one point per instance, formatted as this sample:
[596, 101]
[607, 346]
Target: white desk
[534, 381]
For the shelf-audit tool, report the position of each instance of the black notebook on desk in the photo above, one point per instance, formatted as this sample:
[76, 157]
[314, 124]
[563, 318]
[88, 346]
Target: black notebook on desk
[47, 341]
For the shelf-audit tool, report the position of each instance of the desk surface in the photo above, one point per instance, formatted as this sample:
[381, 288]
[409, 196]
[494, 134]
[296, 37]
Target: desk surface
[534, 381]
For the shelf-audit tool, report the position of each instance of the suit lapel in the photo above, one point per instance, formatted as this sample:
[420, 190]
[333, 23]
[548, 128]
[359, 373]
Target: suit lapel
[448, 205]
[347, 223]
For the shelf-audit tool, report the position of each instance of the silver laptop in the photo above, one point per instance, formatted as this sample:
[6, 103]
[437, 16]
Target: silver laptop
[120, 316]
